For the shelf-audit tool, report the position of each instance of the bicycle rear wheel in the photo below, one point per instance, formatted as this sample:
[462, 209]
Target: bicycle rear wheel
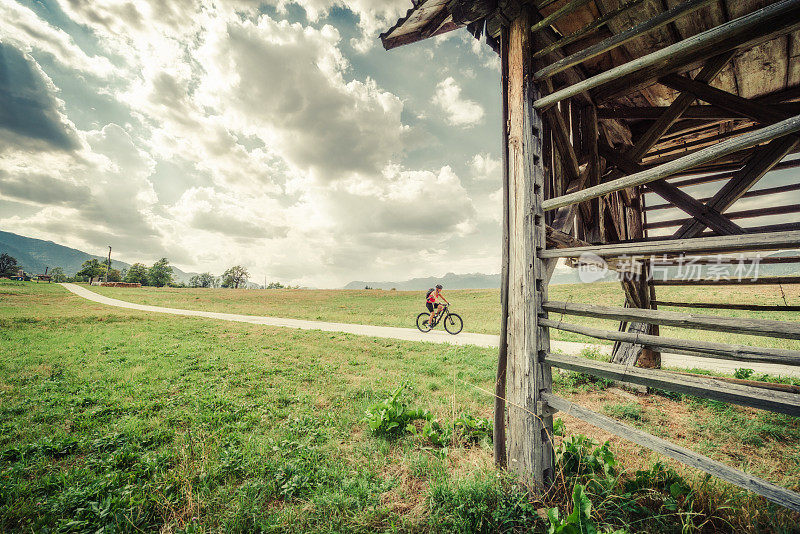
[453, 323]
[422, 322]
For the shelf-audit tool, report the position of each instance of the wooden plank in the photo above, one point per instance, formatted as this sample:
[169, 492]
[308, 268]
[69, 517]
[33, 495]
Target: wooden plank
[734, 325]
[710, 112]
[499, 441]
[699, 386]
[726, 260]
[734, 34]
[616, 40]
[734, 103]
[766, 281]
[769, 491]
[678, 198]
[682, 62]
[530, 452]
[597, 23]
[566, 9]
[703, 349]
[729, 243]
[763, 160]
[743, 214]
[727, 306]
[709, 178]
[705, 155]
[750, 194]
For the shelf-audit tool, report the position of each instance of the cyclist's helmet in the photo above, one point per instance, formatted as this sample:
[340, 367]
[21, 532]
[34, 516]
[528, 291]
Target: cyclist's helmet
[438, 286]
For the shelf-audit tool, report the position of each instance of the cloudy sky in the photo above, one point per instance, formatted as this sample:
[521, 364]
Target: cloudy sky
[278, 135]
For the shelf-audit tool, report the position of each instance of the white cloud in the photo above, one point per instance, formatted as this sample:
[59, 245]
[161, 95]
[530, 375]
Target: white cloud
[486, 168]
[460, 112]
[21, 27]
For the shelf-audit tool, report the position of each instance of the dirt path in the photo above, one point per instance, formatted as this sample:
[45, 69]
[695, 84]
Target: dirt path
[437, 336]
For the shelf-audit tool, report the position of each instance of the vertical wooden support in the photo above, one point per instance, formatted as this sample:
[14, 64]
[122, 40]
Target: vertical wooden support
[500, 458]
[530, 451]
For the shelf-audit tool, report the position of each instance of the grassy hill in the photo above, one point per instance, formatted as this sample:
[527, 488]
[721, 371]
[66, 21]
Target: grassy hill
[37, 254]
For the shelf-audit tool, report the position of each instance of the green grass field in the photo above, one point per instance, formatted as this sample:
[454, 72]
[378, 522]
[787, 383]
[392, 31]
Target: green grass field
[480, 308]
[135, 422]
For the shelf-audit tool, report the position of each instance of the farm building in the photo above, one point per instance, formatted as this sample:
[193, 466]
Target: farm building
[614, 114]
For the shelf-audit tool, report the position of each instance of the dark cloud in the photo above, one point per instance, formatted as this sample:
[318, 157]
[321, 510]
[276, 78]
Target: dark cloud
[28, 111]
[42, 189]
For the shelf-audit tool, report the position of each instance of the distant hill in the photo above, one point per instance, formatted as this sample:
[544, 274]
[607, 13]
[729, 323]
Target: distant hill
[563, 275]
[36, 254]
[459, 281]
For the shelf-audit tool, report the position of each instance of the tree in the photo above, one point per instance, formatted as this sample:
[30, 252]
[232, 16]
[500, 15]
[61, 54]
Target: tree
[203, 280]
[91, 269]
[113, 275]
[235, 276]
[137, 274]
[160, 274]
[57, 275]
[8, 265]
[275, 285]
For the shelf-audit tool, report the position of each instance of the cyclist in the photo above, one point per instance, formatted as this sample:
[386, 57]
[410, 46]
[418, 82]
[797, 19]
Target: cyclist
[432, 304]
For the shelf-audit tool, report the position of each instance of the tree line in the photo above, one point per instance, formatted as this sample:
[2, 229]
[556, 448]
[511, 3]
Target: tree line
[160, 274]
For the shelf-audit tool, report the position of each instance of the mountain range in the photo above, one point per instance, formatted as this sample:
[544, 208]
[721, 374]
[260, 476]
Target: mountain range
[460, 281]
[34, 255]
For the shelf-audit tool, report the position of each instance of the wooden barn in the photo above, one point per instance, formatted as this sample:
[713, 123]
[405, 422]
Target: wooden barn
[615, 113]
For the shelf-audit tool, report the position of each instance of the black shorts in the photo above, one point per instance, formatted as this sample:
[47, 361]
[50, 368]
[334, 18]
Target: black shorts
[431, 306]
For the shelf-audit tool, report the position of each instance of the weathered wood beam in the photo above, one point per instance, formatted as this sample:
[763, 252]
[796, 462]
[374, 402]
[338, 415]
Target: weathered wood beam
[726, 260]
[700, 386]
[595, 24]
[743, 214]
[769, 491]
[688, 161]
[765, 159]
[750, 194]
[765, 281]
[621, 38]
[703, 349]
[733, 103]
[735, 325]
[743, 31]
[726, 306]
[530, 452]
[714, 113]
[566, 9]
[499, 440]
[709, 178]
[728, 243]
[677, 197]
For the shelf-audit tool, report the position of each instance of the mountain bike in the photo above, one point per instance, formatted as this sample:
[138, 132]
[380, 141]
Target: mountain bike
[452, 322]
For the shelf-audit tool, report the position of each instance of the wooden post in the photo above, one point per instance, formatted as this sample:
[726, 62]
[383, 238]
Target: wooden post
[500, 458]
[530, 451]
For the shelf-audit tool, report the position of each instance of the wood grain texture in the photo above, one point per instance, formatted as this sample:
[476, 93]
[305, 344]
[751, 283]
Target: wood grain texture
[530, 452]
[772, 492]
[703, 349]
[699, 386]
[736, 325]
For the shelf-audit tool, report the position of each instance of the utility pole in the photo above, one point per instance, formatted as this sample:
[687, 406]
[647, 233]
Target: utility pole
[109, 262]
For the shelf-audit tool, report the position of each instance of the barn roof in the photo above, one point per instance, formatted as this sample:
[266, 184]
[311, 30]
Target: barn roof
[766, 70]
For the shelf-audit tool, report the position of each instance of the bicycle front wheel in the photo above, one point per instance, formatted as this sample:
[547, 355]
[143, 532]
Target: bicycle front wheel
[453, 323]
[422, 322]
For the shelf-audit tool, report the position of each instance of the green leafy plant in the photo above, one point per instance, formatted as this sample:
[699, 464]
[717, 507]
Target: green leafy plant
[579, 455]
[577, 522]
[743, 374]
[392, 417]
[433, 431]
[474, 429]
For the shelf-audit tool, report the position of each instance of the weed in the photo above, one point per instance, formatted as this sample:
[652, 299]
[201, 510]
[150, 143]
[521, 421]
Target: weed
[630, 411]
[391, 417]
